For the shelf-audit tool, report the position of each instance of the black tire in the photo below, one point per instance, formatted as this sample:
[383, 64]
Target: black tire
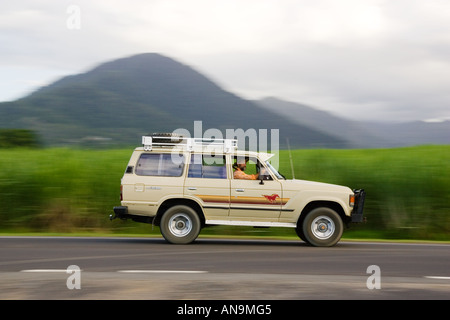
[180, 225]
[299, 231]
[322, 227]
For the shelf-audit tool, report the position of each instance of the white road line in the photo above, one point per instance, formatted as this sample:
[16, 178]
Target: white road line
[161, 271]
[45, 270]
[437, 277]
[121, 271]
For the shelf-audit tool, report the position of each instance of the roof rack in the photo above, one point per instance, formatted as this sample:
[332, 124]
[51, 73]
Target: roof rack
[188, 144]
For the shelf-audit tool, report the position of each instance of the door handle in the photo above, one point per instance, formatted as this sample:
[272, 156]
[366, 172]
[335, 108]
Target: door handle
[192, 188]
[240, 190]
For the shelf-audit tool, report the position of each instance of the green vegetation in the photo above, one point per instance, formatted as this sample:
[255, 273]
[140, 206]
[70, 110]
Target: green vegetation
[408, 189]
[11, 138]
[70, 190]
[59, 189]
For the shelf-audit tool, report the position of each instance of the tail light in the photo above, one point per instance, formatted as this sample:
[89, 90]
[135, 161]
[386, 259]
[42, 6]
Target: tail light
[121, 192]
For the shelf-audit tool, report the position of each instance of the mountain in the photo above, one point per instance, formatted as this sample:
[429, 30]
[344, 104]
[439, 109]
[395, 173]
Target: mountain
[361, 134]
[119, 101]
[411, 133]
[348, 130]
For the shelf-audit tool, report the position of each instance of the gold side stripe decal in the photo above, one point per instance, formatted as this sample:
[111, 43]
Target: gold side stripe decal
[265, 199]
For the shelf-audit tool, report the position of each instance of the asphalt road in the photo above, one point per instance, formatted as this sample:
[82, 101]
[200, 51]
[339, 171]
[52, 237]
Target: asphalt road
[150, 268]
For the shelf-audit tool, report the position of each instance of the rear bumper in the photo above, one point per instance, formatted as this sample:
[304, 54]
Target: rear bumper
[121, 212]
[357, 213]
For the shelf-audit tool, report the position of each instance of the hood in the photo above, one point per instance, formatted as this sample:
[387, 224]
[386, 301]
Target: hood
[313, 185]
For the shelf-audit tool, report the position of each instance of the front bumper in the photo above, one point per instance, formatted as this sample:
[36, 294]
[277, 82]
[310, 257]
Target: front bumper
[357, 213]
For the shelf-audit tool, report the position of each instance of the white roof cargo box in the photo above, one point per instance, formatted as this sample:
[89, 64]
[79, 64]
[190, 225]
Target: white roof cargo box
[189, 144]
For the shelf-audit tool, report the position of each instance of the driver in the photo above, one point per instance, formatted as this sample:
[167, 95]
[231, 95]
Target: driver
[240, 167]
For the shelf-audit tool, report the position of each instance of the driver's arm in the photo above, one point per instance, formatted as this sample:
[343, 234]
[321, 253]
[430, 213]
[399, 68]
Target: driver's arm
[238, 174]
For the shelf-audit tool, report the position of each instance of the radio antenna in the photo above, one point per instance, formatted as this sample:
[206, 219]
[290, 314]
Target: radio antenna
[290, 158]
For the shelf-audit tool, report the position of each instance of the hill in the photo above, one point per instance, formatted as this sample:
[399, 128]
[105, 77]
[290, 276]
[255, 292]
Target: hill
[118, 101]
[361, 134]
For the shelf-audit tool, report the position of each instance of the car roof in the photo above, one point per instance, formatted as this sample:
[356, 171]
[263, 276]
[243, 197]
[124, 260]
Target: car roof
[264, 156]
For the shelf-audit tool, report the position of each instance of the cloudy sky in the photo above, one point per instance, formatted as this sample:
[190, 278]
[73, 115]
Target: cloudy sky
[368, 59]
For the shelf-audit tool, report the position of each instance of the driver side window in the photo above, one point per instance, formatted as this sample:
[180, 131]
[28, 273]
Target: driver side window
[251, 168]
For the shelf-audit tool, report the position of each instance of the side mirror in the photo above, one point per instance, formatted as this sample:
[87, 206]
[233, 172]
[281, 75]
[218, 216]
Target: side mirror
[264, 176]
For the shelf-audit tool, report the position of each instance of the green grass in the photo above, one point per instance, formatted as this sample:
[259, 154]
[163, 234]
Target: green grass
[73, 191]
[408, 189]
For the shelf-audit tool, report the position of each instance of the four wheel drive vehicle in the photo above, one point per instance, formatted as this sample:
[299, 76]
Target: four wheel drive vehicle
[184, 184]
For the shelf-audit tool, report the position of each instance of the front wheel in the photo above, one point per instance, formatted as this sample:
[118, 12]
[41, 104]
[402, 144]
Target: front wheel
[180, 225]
[322, 227]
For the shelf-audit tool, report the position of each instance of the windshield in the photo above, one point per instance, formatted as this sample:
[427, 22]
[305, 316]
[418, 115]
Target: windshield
[274, 171]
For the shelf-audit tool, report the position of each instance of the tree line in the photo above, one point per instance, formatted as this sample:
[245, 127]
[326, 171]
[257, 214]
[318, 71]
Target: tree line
[12, 138]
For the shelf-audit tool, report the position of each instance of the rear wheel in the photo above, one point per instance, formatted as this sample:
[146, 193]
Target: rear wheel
[180, 225]
[322, 227]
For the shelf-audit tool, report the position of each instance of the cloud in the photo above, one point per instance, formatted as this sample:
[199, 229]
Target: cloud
[387, 59]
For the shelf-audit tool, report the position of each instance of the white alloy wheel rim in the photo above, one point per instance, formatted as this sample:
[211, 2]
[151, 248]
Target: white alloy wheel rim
[180, 225]
[323, 227]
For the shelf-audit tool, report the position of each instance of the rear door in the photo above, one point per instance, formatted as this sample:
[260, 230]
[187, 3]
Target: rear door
[207, 182]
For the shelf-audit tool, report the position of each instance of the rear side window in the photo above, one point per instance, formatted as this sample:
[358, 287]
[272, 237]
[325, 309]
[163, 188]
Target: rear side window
[207, 166]
[160, 164]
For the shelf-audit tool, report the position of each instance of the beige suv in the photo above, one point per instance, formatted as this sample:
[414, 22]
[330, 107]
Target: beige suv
[184, 184]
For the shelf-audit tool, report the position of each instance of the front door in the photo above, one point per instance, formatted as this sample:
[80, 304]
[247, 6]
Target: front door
[252, 199]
